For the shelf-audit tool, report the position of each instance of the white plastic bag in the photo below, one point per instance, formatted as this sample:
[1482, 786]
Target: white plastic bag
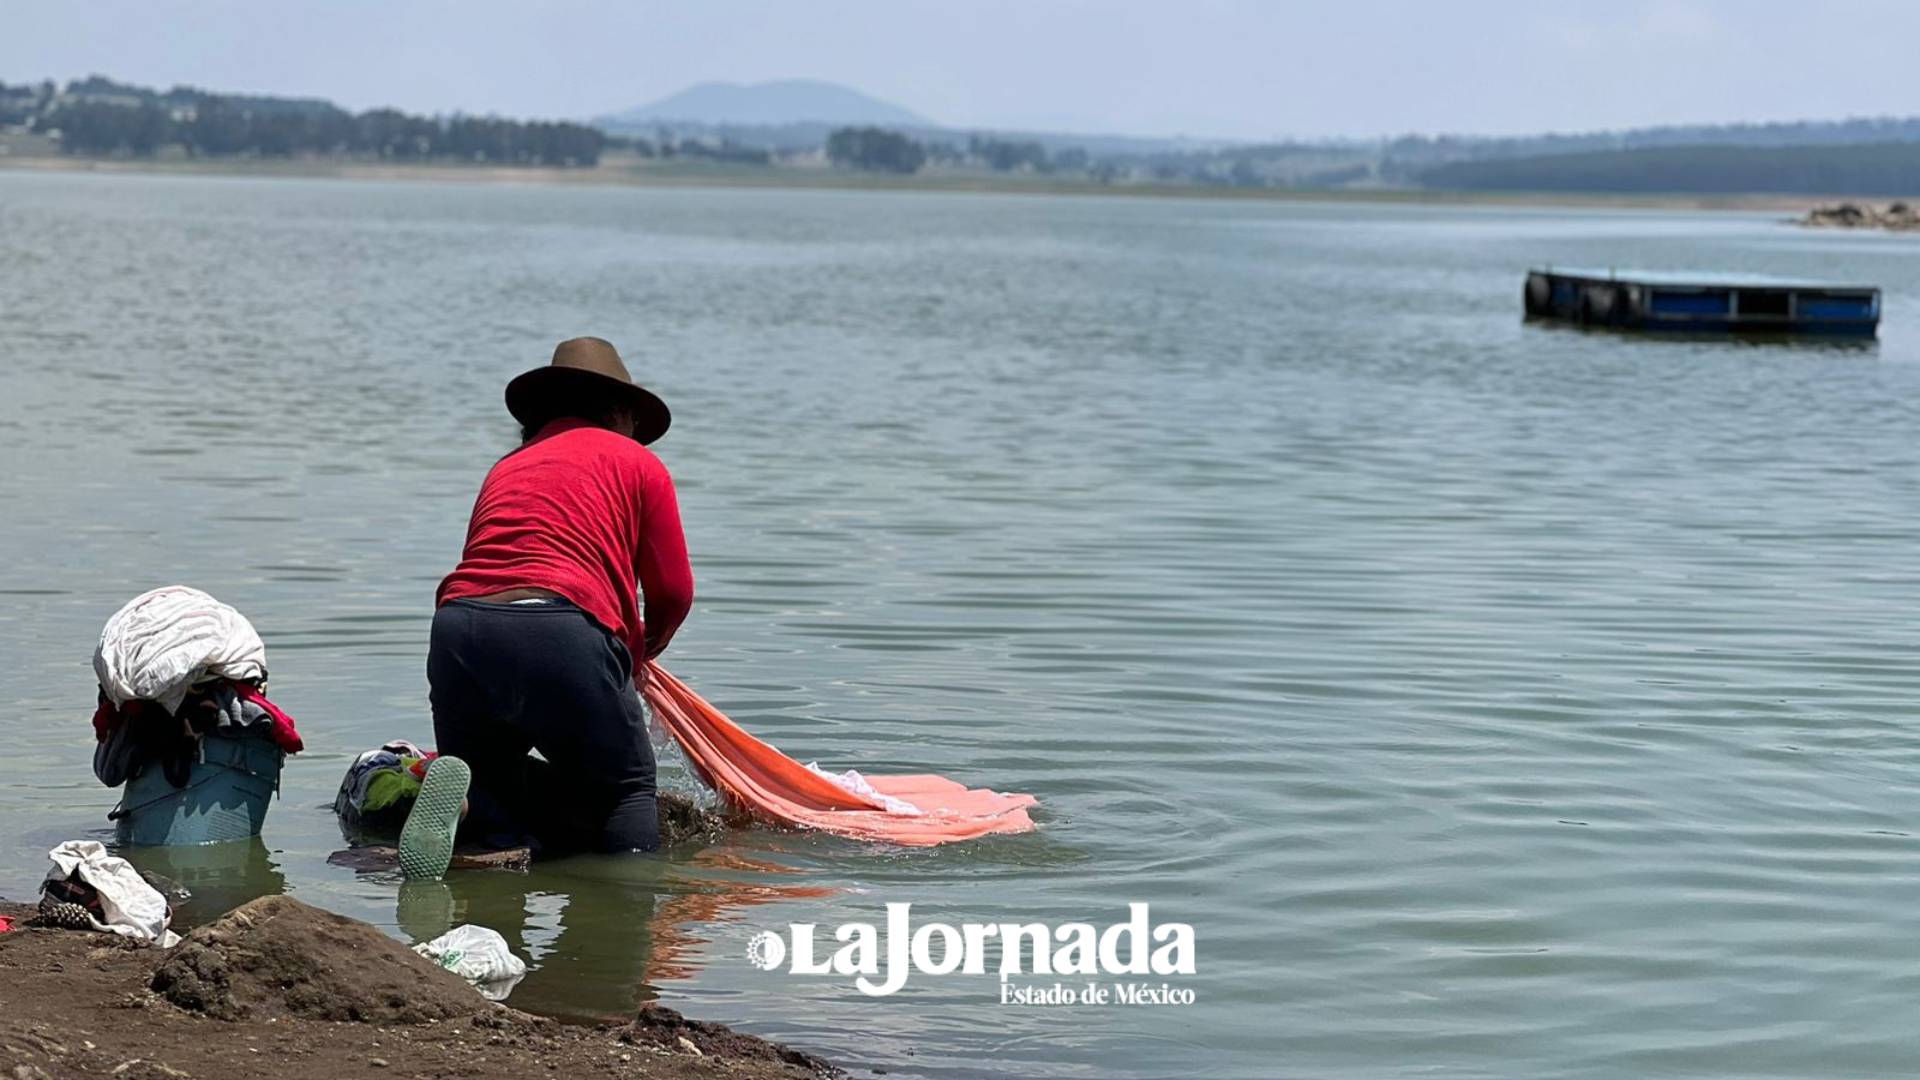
[130, 907]
[478, 955]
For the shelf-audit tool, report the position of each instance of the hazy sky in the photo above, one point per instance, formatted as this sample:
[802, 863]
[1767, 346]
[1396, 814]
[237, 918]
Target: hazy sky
[1201, 67]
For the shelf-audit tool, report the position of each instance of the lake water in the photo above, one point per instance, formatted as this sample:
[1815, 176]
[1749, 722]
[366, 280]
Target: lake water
[1491, 699]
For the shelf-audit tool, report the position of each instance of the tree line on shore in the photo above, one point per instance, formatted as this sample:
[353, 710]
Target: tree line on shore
[99, 117]
[881, 150]
[96, 116]
[1886, 169]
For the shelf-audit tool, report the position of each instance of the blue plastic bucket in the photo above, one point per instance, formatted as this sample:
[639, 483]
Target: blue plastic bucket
[225, 798]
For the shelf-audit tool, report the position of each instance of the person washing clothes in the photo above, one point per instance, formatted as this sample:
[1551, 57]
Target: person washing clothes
[538, 630]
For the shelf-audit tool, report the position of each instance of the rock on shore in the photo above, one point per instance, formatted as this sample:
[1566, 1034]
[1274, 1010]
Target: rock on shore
[1896, 216]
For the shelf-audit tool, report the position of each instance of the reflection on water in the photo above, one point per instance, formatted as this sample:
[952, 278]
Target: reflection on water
[714, 889]
[587, 948]
[1786, 343]
[1491, 699]
[600, 934]
[215, 878]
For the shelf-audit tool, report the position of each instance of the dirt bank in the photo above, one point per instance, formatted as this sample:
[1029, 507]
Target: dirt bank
[278, 987]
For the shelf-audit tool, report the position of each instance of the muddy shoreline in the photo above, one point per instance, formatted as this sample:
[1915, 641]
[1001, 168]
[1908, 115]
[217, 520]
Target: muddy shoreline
[278, 987]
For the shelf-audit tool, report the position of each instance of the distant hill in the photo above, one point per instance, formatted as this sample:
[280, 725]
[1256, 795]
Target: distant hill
[768, 104]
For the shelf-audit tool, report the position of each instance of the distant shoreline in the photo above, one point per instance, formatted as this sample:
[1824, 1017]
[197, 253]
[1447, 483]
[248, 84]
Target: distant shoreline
[627, 172]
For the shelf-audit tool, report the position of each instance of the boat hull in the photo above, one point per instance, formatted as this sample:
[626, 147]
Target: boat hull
[1703, 305]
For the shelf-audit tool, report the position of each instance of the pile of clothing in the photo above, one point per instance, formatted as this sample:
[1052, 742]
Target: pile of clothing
[378, 790]
[176, 666]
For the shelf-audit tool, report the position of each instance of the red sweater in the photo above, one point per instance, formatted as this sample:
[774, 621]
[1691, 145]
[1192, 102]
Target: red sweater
[588, 514]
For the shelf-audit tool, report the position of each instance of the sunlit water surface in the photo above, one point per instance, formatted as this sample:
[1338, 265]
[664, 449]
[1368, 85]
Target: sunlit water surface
[1492, 699]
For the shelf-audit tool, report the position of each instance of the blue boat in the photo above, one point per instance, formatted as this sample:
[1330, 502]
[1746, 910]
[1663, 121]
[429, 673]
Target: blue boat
[1702, 303]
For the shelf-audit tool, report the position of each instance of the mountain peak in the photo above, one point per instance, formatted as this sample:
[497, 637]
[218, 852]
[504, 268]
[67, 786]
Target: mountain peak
[783, 101]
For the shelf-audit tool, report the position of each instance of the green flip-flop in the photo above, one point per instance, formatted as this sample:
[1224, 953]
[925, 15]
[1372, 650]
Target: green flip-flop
[426, 841]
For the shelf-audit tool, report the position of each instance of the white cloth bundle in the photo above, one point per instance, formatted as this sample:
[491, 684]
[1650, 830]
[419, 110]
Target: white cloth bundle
[163, 642]
[129, 906]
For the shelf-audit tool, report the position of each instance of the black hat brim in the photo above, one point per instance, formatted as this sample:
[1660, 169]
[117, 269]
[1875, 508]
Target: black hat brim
[538, 396]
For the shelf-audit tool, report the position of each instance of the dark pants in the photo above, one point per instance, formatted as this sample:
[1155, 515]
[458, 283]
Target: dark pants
[507, 678]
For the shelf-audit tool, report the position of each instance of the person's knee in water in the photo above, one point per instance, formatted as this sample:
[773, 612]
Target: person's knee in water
[574, 566]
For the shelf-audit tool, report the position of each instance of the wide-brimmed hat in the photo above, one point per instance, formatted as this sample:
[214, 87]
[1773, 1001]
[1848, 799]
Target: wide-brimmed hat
[584, 379]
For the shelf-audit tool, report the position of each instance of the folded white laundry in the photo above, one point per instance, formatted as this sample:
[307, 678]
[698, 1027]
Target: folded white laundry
[164, 641]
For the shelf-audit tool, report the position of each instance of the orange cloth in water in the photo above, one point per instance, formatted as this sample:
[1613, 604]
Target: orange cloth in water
[756, 778]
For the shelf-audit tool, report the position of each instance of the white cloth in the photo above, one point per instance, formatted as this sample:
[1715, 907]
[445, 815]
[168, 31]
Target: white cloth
[854, 782]
[131, 907]
[163, 642]
[478, 955]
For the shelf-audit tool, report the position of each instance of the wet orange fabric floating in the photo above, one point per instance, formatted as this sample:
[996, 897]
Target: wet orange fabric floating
[768, 784]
